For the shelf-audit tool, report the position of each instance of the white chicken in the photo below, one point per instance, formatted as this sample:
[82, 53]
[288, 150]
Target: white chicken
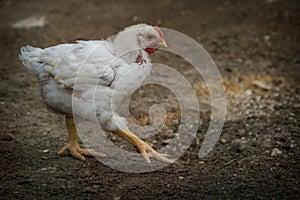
[90, 63]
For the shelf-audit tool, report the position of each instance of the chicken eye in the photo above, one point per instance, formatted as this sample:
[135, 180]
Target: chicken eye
[150, 37]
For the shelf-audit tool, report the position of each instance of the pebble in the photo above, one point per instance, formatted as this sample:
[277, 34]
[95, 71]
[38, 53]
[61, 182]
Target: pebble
[167, 141]
[49, 169]
[240, 60]
[242, 132]
[176, 121]
[276, 152]
[258, 98]
[239, 146]
[135, 18]
[201, 162]
[248, 92]
[87, 173]
[223, 140]
[31, 22]
[46, 157]
[267, 37]
[262, 85]
[180, 177]
[292, 114]
[296, 105]
[44, 185]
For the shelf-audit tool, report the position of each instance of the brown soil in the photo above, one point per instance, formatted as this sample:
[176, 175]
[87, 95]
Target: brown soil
[255, 45]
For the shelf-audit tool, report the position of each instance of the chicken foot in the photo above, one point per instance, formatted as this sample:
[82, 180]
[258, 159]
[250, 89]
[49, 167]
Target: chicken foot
[143, 147]
[72, 144]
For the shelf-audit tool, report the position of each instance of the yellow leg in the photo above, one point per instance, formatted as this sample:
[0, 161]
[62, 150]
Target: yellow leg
[143, 147]
[72, 143]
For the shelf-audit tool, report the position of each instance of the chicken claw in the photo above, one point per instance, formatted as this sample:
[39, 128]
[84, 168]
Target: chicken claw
[143, 147]
[72, 144]
[79, 153]
[147, 151]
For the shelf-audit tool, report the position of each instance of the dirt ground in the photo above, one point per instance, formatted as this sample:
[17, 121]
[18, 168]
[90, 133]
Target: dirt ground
[255, 45]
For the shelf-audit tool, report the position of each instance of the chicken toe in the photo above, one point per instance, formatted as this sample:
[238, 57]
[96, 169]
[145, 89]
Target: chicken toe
[79, 152]
[143, 147]
[72, 143]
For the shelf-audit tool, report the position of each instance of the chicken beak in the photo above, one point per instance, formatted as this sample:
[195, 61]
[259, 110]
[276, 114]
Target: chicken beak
[162, 43]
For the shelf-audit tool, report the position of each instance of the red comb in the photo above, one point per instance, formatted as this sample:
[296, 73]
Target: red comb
[159, 32]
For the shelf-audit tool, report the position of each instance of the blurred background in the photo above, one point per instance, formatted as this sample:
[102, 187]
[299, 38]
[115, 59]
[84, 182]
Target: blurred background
[255, 45]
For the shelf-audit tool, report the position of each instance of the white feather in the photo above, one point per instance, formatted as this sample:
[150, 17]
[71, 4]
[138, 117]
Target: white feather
[90, 69]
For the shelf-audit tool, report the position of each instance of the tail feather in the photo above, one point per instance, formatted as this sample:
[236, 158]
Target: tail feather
[30, 57]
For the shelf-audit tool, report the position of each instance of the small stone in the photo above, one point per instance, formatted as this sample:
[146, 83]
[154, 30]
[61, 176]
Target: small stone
[44, 185]
[238, 146]
[240, 60]
[46, 151]
[87, 173]
[167, 141]
[296, 105]
[90, 190]
[43, 169]
[292, 114]
[176, 121]
[223, 140]
[201, 162]
[267, 37]
[180, 177]
[31, 22]
[276, 152]
[262, 85]
[248, 92]
[49, 169]
[135, 18]
[258, 98]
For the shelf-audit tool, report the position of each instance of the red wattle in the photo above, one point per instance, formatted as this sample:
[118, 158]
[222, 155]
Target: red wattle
[150, 50]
